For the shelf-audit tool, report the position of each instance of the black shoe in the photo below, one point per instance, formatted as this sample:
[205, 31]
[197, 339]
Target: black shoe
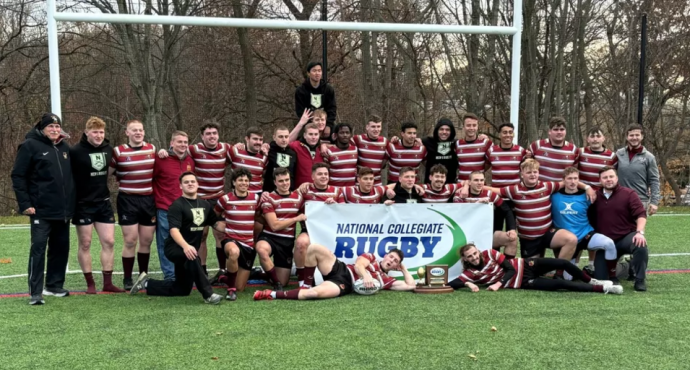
[589, 270]
[127, 284]
[640, 286]
[615, 281]
[277, 287]
[257, 273]
[631, 278]
[56, 292]
[36, 300]
[216, 277]
[232, 295]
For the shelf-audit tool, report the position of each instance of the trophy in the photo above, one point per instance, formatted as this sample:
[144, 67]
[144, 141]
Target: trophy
[433, 279]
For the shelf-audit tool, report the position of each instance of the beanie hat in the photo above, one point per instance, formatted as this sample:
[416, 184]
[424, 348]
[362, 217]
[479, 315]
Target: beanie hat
[47, 119]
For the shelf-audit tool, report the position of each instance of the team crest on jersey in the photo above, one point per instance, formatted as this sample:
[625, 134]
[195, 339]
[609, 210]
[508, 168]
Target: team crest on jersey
[444, 148]
[64, 155]
[316, 100]
[530, 263]
[283, 160]
[198, 216]
[546, 154]
[97, 161]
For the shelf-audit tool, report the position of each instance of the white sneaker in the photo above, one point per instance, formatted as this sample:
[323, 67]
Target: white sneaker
[214, 299]
[600, 282]
[613, 289]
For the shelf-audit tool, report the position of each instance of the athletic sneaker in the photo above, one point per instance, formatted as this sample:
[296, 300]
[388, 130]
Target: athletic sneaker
[613, 289]
[232, 295]
[640, 285]
[263, 294]
[127, 284]
[278, 287]
[36, 300]
[140, 284]
[56, 292]
[215, 279]
[589, 270]
[214, 299]
[600, 282]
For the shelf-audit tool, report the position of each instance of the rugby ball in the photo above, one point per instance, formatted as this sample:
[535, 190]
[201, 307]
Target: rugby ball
[359, 288]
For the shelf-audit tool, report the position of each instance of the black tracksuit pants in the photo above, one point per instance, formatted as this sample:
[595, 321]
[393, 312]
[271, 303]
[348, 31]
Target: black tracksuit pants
[187, 273]
[537, 267]
[55, 235]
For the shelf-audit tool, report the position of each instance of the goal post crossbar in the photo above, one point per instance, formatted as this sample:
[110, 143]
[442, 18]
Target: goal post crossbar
[54, 16]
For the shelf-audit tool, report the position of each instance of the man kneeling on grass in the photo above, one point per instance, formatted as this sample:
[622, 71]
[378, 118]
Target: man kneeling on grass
[492, 268]
[338, 277]
[187, 216]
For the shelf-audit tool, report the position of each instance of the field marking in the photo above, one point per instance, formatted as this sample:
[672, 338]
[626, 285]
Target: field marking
[71, 272]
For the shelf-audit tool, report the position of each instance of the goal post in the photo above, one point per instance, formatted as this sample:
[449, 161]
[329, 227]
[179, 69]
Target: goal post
[54, 16]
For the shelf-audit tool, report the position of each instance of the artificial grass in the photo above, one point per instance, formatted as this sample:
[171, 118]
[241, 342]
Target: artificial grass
[535, 330]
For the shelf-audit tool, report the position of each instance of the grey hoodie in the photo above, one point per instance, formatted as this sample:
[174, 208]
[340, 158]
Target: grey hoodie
[640, 174]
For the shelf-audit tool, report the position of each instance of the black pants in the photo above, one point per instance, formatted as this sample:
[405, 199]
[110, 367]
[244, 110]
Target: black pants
[536, 267]
[55, 235]
[624, 245]
[187, 273]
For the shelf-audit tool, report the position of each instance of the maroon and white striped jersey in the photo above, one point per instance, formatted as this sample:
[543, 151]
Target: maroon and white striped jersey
[374, 269]
[485, 193]
[209, 165]
[492, 272]
[532, 207]
[371, 153]
[343, 165]
[285, 207]
[554, 160]
[505, 164]
[471, 156]
[352, 194]
[239, 216]
[591, 162]
[253, 162]
[134, 168]
[320, 195]
[443, 196]
[400, 156]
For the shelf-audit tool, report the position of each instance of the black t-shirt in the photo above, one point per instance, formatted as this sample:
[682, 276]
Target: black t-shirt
[190, 217]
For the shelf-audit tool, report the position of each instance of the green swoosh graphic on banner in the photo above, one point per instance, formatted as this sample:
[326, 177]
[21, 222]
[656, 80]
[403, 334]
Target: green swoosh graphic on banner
[459, 239]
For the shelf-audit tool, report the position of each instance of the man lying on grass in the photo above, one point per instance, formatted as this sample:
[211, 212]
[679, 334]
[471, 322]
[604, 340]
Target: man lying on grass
[187, 216]
[339, 278]
[492, 268]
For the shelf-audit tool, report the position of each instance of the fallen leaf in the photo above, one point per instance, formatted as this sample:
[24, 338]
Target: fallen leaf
[493, 328]
[5, 260]
[214, 358]
[219, 333]
[472, 357]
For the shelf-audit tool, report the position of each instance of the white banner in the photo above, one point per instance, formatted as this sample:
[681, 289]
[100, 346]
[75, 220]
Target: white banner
[426, 233]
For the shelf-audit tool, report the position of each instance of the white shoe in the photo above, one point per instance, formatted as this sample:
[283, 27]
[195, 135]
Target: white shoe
[600, 282]
[214, 299]
[613, 289]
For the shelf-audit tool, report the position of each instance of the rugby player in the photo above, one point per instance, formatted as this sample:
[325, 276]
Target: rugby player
[407, 151]
[555, 153]
[364, 192]
[238, 209]
[371, 148]
[133, 165]
[90, 158]
[339, 278]
[493, 269]
[188, 215]
[342, 157]
[471, 150]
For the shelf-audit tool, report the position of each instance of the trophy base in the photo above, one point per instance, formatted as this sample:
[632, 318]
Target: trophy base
[430, 290]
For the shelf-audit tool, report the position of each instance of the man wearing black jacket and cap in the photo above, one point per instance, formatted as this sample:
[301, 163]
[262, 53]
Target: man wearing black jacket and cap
[42, 182]
[441, 150]
[314, 94]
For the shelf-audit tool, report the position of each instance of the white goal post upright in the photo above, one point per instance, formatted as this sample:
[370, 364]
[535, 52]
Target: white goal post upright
[54, 16]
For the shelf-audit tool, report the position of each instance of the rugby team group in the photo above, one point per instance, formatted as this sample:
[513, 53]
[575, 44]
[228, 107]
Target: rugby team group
[551, 195]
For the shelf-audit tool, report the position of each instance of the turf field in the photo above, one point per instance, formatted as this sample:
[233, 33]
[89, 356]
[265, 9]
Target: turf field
[534, 330]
